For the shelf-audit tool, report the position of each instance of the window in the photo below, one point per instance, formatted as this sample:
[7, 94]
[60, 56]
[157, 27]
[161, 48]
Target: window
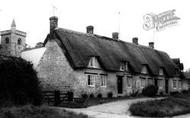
[124, 66]
[7, 40]
[129, 81]
[91, 80]
[188, 84]
[19, 41]
[143, 81]
[174, 83]
[161, 72]
[144, 69]
[103, 80]
[179, 84]
[150, 81]
[93, 63]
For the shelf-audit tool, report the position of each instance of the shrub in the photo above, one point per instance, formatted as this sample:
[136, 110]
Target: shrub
[150, 91]
[99, 95]
[110, 94]
[174, 93]
[19, 83]
[70, 95]
[134, 94]
[91, 95]
[185, 91]
[84, 96]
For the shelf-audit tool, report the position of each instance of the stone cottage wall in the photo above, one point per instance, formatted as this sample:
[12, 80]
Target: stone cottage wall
[54, 71]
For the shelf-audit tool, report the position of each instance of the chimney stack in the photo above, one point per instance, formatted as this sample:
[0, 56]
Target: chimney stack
[53, 23]
[135, 40]
[90, 29]
[115, 35]
[151, 45]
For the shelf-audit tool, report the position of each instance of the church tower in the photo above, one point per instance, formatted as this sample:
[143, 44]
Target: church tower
[12, 41]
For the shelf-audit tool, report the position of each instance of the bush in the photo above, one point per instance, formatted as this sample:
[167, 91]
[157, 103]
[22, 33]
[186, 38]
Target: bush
[84, 96]
[150, 91]
[70, 95]
[19, 83]
[185, 91]
[135, 94]
[91, 95]
[99, 95]
[110, 95]
[174, 93]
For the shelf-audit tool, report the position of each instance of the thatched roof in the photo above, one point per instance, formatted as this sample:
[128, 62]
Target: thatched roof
[81, 46]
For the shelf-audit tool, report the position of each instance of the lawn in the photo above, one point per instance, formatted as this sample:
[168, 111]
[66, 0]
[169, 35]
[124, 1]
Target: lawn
[30, 111]
[171, 106]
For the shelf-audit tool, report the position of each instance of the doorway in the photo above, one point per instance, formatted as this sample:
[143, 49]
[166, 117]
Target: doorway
[120, 84]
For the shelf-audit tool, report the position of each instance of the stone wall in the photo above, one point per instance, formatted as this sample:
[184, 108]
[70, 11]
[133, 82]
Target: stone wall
[54, 71]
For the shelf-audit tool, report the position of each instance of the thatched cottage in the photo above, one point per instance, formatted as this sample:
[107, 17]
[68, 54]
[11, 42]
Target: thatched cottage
[90, 63]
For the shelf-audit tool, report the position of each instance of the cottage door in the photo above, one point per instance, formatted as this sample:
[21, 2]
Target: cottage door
[120, 84]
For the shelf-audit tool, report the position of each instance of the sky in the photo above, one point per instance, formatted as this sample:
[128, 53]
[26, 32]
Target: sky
[32, 17]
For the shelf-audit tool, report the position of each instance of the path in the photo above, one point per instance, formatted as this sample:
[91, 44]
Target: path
[118, 109]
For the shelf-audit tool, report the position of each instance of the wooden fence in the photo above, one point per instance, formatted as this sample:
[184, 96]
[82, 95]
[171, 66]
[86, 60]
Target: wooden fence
[56, 97]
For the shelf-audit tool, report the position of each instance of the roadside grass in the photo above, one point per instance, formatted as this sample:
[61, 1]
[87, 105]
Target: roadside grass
[30, 111]
[171, 106]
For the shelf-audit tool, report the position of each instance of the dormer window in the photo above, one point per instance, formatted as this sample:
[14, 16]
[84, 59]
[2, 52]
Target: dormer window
[124, 66]
[161, 71]
[7, 40]
[19, 41]
[93, 62]
[144, 69]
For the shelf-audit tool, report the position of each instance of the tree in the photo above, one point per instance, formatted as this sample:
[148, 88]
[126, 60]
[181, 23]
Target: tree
[19, 83]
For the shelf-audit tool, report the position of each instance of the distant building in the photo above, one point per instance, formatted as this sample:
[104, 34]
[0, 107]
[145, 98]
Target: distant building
[93, 64]
[12, 41]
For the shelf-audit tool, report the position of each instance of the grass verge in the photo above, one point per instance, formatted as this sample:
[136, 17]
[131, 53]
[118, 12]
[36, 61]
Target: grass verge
[170, 106]
[30, 111]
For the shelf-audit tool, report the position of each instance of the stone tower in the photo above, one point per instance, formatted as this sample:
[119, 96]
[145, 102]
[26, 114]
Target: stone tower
[12, 41]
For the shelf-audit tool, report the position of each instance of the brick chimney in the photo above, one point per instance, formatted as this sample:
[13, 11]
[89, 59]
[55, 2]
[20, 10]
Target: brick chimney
[90, 29]
[135, 40]
[53, 23]
[151, 45]
[115, 35]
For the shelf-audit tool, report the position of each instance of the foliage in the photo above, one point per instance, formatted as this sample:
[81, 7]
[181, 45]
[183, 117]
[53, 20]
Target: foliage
[110, 94]
[99, 95]
[19, 83]
[91, 95]
[161, 108]
[30, 111]
[150, 90]
[84, 96]
[174, 93]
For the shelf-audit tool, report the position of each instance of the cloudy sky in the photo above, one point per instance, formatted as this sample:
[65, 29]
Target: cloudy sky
[33, 17]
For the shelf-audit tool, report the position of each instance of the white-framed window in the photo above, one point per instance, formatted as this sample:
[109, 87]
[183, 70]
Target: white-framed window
[129, 81]
[143, 82]
[174, 84]
[91, 79]
[103, 80]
